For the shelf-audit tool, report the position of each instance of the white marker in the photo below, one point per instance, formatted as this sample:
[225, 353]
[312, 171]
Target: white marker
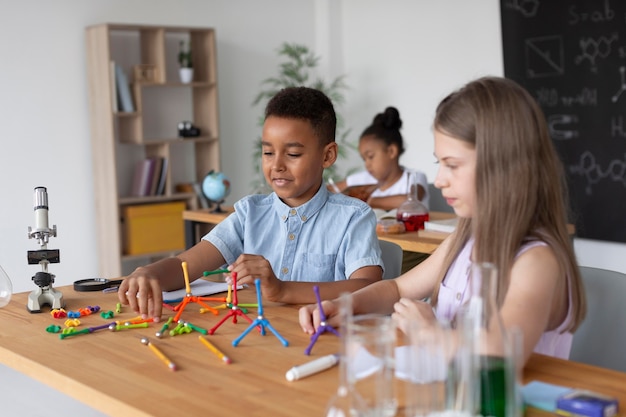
[313, 367]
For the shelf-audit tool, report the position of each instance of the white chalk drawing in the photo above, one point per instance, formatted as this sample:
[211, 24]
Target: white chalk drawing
[557, 124]
[527, 8]
[576, 16]
[586, 97]
[622, 87]
[544, 56]
[593, 172]
[549, 97]
[617, 127]
[592, 49]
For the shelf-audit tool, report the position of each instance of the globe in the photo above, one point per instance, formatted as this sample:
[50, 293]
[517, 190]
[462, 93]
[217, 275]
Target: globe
[216, 187]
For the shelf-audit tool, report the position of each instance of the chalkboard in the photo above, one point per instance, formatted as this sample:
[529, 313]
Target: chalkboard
[571, 56]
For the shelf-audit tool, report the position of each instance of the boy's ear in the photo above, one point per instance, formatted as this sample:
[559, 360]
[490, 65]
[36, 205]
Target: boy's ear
[330, 154]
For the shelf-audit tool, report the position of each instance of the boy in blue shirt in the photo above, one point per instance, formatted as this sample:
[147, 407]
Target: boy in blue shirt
[299, 236]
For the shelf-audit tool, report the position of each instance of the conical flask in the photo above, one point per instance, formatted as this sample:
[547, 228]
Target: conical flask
[412, 212]
[6, 288]
[495, 351]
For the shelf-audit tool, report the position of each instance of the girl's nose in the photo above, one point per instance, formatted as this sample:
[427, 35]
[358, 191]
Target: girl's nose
[440, 182]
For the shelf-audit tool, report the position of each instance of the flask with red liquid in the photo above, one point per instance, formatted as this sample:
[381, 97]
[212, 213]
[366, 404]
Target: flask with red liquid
[413, 213]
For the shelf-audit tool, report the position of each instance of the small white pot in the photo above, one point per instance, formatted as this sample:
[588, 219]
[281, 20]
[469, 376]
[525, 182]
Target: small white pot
[186, 75]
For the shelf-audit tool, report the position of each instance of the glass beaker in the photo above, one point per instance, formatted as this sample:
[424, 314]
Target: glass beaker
[496, 352]
[413, 213]
[371, 341]
[441, 373]
[6, 288]
[346, 401]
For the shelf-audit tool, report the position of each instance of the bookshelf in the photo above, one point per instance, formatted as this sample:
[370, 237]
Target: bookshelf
[147, 55]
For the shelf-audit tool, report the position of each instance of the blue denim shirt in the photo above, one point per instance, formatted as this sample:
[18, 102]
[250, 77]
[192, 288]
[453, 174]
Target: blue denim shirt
[326, 239]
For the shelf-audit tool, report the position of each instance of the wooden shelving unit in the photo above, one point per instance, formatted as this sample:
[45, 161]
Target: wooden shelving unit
[121, 139]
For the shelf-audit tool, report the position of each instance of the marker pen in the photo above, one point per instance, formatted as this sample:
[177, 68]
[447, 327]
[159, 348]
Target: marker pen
[313, 367]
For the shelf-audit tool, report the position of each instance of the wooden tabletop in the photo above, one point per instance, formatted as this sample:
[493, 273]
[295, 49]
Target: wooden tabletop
[424, 241]
[114, 373]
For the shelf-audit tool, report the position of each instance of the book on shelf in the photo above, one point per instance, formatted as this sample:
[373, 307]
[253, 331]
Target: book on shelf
[156, 176]
[123, 90]
[444, 225]
[114, 97]
[149, 177]
[147, 185]
[141, 178]
[162, 178]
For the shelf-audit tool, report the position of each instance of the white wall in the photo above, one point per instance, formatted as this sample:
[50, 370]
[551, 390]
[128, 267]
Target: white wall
[406, 53]
[410, 54]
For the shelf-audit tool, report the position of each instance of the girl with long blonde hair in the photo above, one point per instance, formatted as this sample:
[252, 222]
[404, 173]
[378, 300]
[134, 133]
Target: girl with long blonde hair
[499, 171]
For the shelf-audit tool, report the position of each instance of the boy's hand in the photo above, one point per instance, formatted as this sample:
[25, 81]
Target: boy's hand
[249, 267]
[142, 293]
[310, 319]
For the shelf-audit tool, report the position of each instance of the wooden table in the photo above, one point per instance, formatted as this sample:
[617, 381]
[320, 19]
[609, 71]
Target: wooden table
[114, 373]
[424, 241]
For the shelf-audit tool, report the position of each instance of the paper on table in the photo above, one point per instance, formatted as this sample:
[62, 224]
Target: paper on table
[432, 366]
[443, 225]
[365, 364]
[199, 287]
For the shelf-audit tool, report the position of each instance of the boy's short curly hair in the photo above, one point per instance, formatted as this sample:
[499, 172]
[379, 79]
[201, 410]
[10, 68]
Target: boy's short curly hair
[306, 104]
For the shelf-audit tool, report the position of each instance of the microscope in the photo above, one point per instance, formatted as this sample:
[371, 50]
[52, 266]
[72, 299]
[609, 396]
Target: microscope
[45, 294]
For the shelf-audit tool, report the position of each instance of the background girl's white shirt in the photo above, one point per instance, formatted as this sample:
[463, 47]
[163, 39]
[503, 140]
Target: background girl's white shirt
[399, 187]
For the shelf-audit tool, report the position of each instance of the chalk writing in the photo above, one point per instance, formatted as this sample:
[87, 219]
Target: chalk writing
[592, 48]
[544, 56]
[593, 173]
[622, 87]
[617, 127]
[557, 124]
[549, 97]
[595, 16]
[528, 8]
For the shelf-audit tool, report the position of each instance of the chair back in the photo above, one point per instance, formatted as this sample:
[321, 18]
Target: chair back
[600, 340]
[392, 258]
[437, 202]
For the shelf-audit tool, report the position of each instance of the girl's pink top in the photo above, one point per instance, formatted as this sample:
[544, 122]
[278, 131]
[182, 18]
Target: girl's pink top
[454, 292]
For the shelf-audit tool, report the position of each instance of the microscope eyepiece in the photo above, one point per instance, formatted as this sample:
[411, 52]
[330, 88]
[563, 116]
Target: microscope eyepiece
[40, 198]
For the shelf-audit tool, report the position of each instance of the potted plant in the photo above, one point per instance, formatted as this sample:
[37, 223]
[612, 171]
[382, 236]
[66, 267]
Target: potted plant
[299, 70]
[185, 62]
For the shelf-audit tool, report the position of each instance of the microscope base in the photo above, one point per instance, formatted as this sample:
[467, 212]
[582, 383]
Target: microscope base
[45, 295]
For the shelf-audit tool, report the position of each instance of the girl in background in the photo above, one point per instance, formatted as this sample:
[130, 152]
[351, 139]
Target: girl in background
[380, 146]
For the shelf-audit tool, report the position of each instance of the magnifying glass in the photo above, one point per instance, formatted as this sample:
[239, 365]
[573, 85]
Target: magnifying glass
[96, 284]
